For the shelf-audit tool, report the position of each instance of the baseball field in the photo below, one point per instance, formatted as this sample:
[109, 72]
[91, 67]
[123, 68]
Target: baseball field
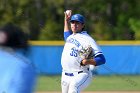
[100, 84]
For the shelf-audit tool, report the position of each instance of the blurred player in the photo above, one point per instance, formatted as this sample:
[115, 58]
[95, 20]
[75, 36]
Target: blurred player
[76, 75]
[17, 74]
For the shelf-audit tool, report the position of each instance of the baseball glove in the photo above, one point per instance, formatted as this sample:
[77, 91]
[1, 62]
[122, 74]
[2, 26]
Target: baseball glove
[86, 52]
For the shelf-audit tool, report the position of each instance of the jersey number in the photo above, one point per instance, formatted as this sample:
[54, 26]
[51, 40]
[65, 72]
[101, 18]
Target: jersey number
[74, 52]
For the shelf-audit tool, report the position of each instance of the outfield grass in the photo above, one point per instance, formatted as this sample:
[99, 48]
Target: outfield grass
[99, 83]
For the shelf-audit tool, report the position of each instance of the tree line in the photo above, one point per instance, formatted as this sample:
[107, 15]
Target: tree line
[44, 19]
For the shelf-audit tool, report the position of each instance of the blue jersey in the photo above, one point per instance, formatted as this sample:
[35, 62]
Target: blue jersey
[17, 75]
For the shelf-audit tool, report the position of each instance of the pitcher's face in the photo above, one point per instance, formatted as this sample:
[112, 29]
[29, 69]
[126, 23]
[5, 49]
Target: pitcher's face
[76, 26]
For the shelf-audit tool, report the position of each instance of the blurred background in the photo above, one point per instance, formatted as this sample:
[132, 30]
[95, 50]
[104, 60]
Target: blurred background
[43, 19]
[115, 24]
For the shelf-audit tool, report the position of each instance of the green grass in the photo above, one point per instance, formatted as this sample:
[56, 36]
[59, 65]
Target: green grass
[48, 83]
[99, 83]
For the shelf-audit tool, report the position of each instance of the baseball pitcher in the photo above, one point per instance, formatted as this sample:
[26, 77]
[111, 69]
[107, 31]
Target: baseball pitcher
[80, 51]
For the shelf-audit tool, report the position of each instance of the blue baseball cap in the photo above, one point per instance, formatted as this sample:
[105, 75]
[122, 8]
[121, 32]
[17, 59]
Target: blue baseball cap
[78, 17]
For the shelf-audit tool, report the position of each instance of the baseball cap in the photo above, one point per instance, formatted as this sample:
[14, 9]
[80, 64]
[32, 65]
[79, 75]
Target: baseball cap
[78, 17]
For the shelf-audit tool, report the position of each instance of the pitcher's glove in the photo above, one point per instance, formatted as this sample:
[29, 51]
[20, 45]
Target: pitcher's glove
[86, 52]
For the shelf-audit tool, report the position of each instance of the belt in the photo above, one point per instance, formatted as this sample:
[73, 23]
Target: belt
[71, 74]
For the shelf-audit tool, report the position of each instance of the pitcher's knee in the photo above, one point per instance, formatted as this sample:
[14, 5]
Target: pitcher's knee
[73, 88]
[72, 91]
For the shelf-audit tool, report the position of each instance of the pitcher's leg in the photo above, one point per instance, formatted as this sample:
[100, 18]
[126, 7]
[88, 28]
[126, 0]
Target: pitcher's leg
[64, 83]
[80, 82]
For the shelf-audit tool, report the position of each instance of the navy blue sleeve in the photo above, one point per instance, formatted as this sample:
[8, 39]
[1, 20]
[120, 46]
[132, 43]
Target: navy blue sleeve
[67, 34]
[100, 59]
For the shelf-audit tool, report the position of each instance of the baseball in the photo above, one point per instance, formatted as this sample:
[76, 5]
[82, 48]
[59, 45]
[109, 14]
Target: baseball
[68, 12]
